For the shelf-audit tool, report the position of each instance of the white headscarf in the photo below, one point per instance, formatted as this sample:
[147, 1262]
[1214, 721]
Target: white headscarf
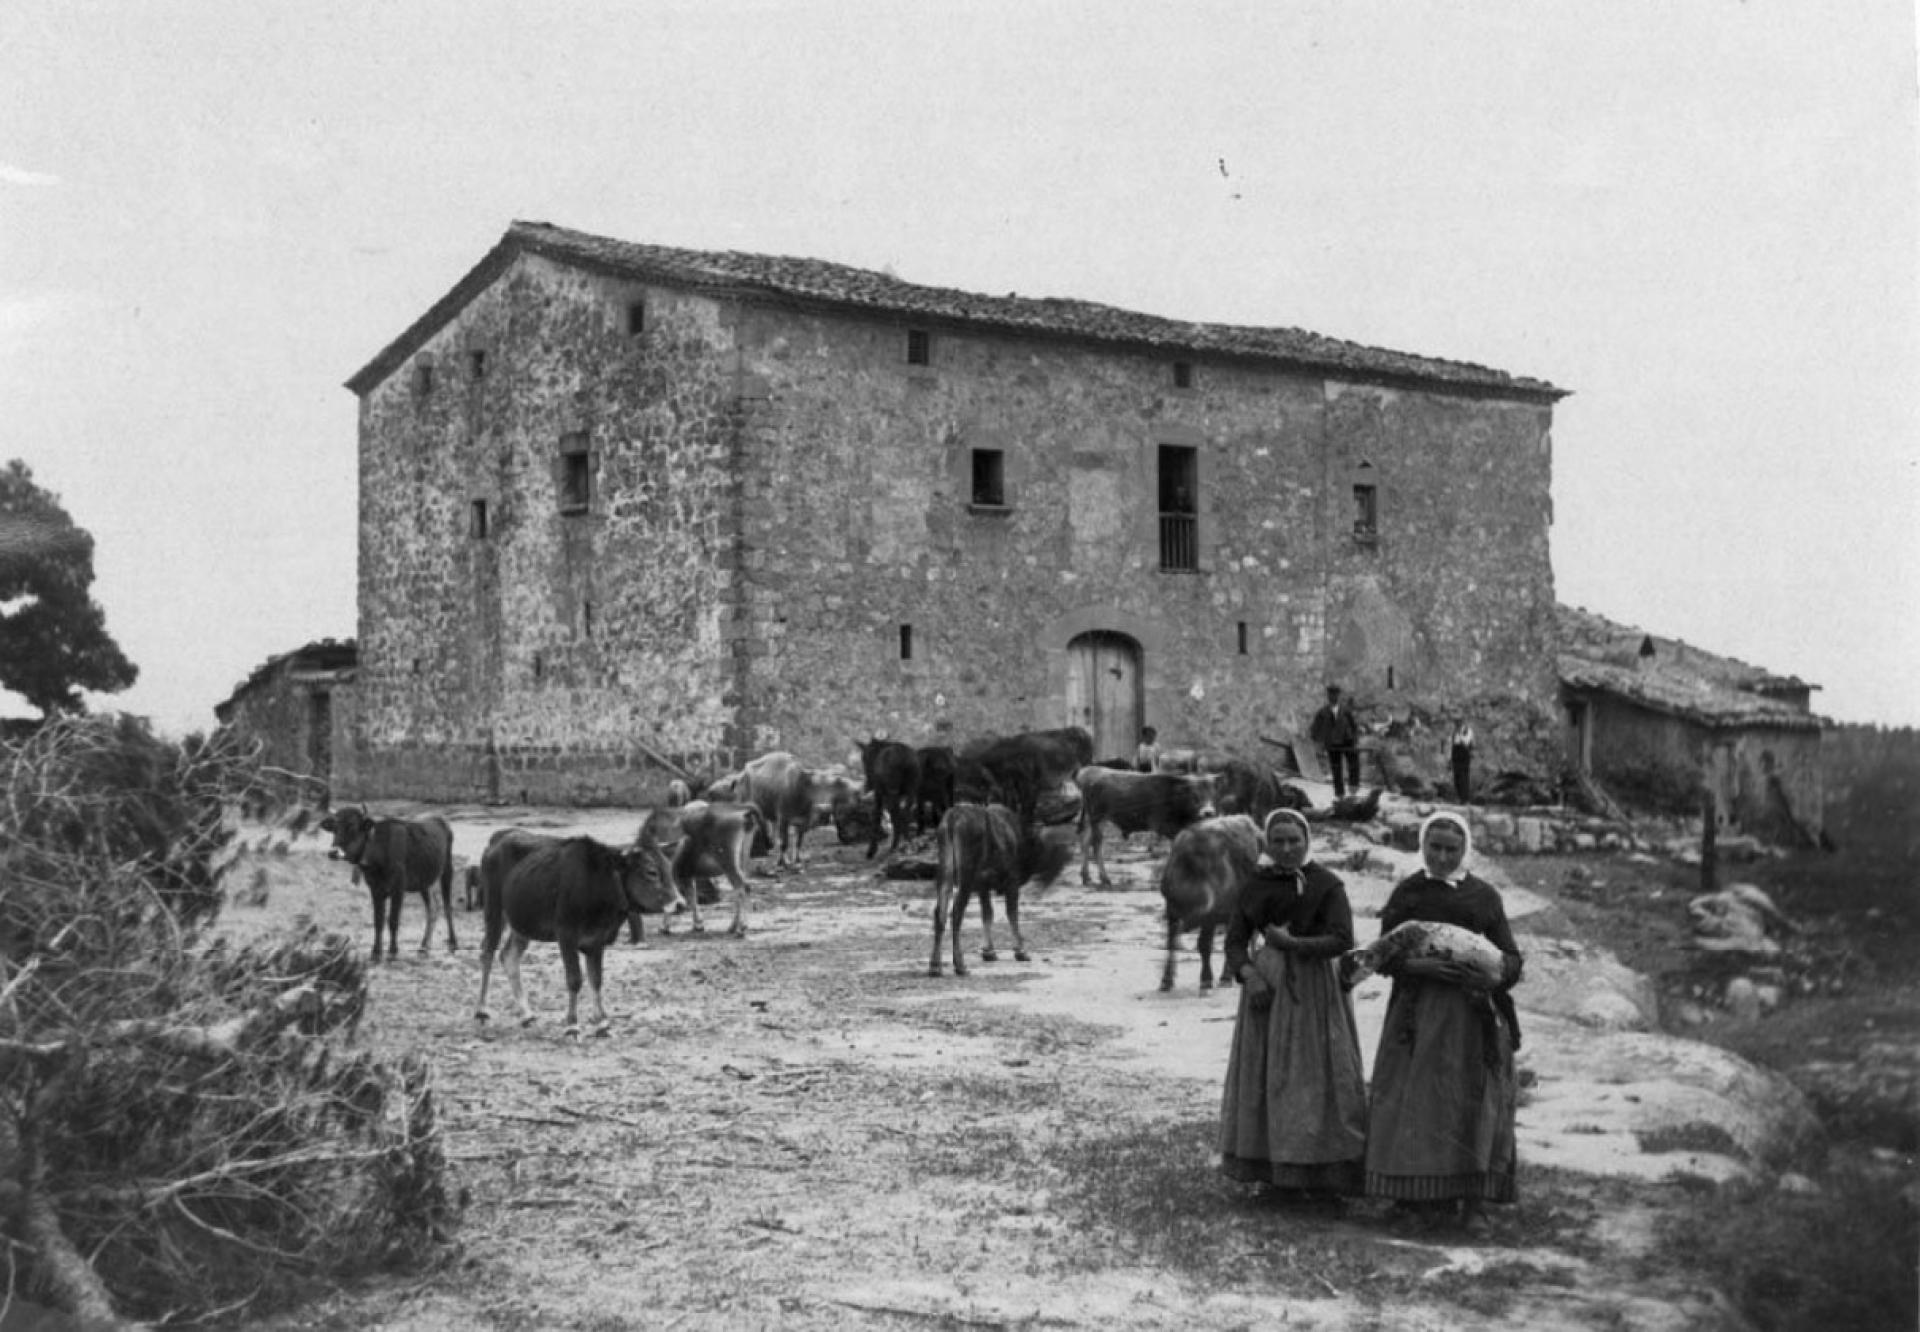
[1306, 830]
[1466, 849]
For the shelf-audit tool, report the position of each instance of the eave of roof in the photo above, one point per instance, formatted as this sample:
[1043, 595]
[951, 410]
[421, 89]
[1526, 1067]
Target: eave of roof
[821, 284]
[1682, 696]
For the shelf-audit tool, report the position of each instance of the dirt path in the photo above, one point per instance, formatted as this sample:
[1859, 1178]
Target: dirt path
[801, 1129]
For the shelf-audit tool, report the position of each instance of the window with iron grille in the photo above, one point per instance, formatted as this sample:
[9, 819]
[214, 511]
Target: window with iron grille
[1183, 374]
[477, 363]
[477, 520]
[990, 478]
[919, 347]
[1179, 507]
[636, 318]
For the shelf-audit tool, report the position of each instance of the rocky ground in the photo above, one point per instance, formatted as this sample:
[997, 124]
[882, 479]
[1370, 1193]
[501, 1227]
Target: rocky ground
[801, 1129]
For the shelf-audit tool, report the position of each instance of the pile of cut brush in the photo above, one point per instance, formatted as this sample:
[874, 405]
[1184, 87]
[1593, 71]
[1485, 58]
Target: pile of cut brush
[185, 1129]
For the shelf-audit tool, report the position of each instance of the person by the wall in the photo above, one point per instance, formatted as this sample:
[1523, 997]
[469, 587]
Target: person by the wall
[1336, 730]
[1460, 754]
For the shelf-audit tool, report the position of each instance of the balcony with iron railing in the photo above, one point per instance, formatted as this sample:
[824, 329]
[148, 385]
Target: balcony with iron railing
[1179, 543]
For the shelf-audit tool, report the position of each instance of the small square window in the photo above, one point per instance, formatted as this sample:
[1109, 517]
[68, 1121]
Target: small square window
[990, 478]
[636, 318]
[919, 347]
[477, 520]
[1183, 374]
[576, 473]
[423, 379]
[1366, 513]
[477, 364]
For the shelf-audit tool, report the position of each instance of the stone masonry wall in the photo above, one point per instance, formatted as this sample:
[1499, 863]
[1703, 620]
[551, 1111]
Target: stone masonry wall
[555, 656]
[857, 520]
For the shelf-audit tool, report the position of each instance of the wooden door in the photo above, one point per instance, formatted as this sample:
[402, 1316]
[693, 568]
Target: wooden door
[1104, 691]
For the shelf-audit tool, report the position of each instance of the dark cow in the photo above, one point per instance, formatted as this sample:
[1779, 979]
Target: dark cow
[1020, 771]
[699, 842]
[1161, 803]
[986, 849]
[1253, 789]
[396, 857]
[936, 785]
[789, 796]
[1201, 885]
[575, 892]
[892, 774]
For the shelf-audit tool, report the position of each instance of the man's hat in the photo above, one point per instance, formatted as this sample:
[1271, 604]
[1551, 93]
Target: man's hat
[1333, 691]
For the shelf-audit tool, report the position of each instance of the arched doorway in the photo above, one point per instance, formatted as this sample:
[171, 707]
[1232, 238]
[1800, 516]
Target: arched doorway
[1104, 690]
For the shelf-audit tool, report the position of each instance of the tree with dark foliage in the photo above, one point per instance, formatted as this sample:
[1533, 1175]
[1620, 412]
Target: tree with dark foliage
[53, 634]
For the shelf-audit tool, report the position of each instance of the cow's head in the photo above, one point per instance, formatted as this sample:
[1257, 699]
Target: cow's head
[1205, 793]
[350, 828]
[646, 879]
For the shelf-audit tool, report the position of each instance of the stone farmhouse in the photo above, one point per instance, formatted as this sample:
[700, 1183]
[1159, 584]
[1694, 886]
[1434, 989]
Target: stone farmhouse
[295, 706]
[624, 506]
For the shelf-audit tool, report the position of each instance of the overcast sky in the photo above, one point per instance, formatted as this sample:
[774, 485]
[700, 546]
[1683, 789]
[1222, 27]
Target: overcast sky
[1697, 215]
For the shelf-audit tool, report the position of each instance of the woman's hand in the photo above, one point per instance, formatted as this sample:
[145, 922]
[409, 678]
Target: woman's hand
[1279, 936]
[1443, 970]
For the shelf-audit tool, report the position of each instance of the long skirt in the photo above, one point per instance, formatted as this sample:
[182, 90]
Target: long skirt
[1444, 1095]
[1294, 1112]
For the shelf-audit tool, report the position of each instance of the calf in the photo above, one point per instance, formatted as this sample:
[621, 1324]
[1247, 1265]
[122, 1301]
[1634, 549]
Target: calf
[987, 849]
[395, 857]
[575, 892]
[1162, 803]
[1201, 885]
[892, 774]
[699, 842]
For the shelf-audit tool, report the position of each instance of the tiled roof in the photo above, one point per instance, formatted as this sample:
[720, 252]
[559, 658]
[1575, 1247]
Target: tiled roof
[819, 283]
[1715, 691]
[323, 654]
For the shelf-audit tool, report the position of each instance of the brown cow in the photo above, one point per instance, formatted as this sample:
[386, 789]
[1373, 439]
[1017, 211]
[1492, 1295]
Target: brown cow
[986, 849]
[1253, 789]
[698, 842]
[395, 857]
[892, 777]
[1021, 771]
[1162, 803]
[572, 891]
[1201, 885]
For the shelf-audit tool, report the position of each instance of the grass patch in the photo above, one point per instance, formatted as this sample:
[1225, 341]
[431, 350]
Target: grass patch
[1838, 1258]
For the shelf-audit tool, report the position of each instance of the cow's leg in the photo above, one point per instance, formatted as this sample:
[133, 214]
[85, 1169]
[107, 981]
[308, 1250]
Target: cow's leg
[570, 961]
[510, 955]
[1099, 853]
[1206, 958]
[1086, 833]
[1173, 952]
[480, 1013]
[379, 901]
[446, 898]
[426, 898]
[961, 891]
[601, 1025]
[879, 817]
[1013, 923]
[393, 900]
[940, 893]
[987, 951]
[685, 873]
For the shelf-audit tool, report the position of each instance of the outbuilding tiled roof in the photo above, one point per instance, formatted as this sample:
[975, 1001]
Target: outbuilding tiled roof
[1598, 654]
[339, 657]
[819, 283]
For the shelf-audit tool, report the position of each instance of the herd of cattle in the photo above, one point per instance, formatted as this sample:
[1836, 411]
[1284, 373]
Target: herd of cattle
[998, 809]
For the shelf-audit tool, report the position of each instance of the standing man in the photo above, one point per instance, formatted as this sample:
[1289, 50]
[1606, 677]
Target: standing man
[1460, 751]
[1335, 730]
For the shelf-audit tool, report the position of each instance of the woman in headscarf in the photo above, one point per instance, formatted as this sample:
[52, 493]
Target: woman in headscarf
[1440, 1132]
[1294, 1112]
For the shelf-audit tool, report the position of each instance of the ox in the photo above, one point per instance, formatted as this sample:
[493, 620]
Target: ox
[699, 842]
[988, 849]
[575, 892]
[1162, 803]
[789, 796]
[1021, 770]
[1201, 885]
[1253, 789]
[395, 857]
[892, 773]
[936, 785]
